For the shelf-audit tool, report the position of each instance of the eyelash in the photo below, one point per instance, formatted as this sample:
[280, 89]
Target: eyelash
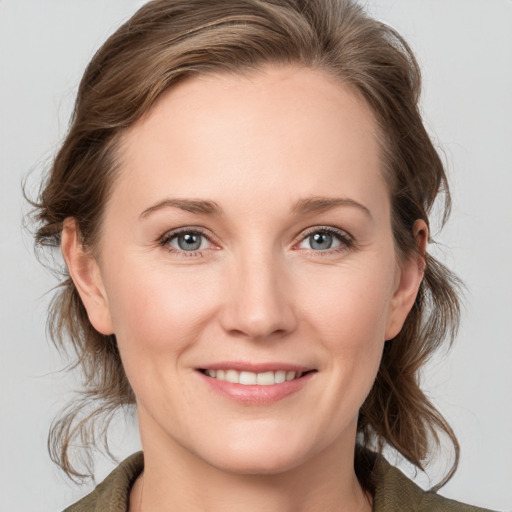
[170, 235]
[346, 241]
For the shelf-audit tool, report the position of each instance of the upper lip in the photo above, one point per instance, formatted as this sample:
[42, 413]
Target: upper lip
[242, 366]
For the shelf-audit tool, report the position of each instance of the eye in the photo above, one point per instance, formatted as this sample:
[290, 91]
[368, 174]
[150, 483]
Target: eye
[320, 241]
[190, 241]
[325, 239]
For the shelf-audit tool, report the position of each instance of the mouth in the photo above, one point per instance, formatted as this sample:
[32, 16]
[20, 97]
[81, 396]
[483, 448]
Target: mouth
[256, 384]
[247, 378]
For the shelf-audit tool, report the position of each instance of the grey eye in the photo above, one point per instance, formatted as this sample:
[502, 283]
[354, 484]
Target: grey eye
[189, 241]
[320, 241]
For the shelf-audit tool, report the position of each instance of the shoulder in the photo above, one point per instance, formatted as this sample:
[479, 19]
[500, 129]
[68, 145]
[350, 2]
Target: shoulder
[112, 494]
[394, 491]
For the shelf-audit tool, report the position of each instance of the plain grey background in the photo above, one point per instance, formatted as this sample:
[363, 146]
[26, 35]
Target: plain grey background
[465, 49]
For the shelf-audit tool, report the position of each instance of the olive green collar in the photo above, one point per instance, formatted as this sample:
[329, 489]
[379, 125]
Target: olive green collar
[394, 491]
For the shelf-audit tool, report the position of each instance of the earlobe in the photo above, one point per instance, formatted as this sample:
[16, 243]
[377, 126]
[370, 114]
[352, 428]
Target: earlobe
[408, 282]
[85, 273]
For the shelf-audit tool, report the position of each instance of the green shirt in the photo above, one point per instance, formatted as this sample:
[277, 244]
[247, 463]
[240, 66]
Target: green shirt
[394, 492]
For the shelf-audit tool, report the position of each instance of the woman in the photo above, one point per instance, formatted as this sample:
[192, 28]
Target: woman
[242, 203]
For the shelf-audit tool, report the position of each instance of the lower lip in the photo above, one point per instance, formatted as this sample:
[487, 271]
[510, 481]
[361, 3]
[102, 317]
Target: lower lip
[254, 394]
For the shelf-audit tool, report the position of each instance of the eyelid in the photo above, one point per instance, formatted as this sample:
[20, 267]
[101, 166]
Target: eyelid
[172, 233]
[346, 239]
[329, 229]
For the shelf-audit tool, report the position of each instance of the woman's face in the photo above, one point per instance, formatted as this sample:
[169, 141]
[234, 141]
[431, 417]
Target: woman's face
[248, 242]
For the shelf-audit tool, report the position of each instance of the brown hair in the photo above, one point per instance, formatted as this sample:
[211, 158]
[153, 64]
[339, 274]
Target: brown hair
[169, 40]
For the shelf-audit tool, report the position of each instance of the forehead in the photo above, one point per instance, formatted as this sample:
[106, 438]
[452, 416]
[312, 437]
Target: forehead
[287, 130]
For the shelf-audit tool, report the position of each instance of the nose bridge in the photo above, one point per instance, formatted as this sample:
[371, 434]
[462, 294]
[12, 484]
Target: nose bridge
[260, 302]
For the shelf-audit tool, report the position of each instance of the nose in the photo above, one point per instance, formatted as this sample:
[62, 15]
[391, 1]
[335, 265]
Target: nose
[260, 302]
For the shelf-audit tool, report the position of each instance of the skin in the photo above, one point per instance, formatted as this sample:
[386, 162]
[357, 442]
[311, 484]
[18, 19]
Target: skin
[259, 146]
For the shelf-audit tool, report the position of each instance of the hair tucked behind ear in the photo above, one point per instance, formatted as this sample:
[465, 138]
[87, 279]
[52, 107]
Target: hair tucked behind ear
[397, 411]
[169, 40]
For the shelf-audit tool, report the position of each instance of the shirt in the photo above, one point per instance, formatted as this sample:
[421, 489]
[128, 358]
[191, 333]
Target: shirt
[394, 492]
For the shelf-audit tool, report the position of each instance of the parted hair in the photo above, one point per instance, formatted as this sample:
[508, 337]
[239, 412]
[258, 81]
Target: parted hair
[169, 40]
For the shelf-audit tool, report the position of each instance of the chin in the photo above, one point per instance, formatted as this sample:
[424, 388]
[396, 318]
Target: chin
[256, 464]
[263, 455]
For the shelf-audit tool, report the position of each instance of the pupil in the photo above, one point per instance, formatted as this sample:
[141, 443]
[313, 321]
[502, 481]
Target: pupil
[189, 242]
[321, 241]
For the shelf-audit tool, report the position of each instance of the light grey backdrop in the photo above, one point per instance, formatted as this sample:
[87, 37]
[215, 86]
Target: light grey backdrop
[465, 48]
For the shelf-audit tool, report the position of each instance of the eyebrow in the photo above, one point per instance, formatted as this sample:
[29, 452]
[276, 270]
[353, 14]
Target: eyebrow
[321, 204]
[188, 205]
[313, 204]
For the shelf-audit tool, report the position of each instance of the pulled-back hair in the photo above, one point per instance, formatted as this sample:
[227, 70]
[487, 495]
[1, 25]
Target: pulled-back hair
[169, 40]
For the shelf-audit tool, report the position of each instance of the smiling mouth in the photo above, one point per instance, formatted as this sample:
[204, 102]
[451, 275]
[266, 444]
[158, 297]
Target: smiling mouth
[254, 379]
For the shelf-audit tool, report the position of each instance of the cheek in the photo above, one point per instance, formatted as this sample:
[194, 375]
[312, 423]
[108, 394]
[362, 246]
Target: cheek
[355, 340]
[349, 305]
[348, 315]
[156, 310]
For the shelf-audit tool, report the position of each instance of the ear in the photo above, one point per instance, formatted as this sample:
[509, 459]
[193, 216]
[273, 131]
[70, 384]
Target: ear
[410, 275]
[85, 273]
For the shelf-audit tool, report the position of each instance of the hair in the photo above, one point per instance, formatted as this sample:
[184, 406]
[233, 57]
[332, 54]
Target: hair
[167, 41]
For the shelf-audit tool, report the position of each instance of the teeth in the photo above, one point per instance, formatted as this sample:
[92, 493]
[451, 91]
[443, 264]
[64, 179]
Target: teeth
[280, 376]
[264, 379]
[248, 378]
[251, 379]
[232, 376]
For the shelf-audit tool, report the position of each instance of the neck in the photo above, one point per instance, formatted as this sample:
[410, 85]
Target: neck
[178, 480]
